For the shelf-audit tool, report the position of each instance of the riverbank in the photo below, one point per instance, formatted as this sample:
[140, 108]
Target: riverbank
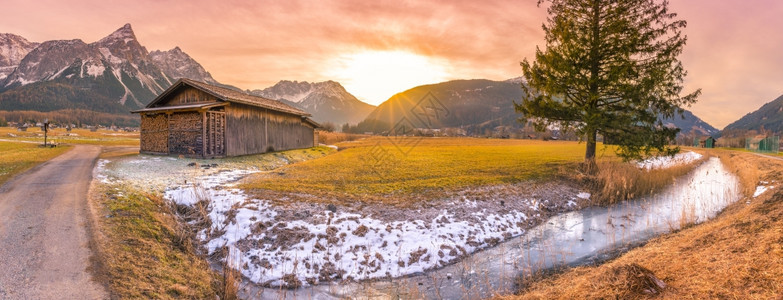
[282, 239]
[739, 254]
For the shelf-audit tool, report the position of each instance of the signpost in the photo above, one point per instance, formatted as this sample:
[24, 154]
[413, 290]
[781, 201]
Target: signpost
[45, 130]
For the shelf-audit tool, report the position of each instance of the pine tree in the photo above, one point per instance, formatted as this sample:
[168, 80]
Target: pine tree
[609, 68]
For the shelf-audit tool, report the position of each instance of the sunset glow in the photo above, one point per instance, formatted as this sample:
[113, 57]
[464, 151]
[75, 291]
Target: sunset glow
[378, 48]
[374, 76]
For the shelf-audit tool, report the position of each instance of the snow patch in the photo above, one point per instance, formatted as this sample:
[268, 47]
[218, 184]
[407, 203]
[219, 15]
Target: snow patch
[663, 162]
[95, 70]
[761, 190]
[108, 56]
[346, 245]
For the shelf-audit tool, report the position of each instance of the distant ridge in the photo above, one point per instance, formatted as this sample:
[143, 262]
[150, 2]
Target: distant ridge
[479, 105]
[327, 101]
[768, 117]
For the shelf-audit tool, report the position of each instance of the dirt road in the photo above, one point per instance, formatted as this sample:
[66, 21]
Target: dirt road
[44, 241]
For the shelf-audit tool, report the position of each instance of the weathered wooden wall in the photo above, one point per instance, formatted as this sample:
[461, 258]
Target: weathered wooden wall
[188, 95]
[215, 131]
[154, 133]
[185, 133]
[251, 130]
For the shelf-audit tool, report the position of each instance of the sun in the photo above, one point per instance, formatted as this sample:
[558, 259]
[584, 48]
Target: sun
[375, 76]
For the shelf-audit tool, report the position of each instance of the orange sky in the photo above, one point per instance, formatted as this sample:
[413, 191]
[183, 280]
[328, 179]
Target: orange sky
[734, 51]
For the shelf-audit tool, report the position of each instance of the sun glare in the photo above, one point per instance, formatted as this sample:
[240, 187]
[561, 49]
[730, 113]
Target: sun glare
[374, 76]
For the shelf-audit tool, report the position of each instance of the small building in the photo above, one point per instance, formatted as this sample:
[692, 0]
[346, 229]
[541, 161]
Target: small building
[197, 119]
[763, 143]
[704, 142]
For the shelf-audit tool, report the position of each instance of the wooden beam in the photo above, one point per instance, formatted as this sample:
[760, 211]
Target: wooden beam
[203, 133]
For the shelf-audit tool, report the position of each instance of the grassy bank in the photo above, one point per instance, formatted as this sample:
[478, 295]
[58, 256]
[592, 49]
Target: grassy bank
[16, 158]
[379, 170]
[75, 136]
[738, 255]
[145, 252]
[145, 245]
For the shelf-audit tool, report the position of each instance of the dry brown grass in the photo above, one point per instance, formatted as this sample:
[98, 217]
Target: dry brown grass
[331, 138]
[144, 250]
[738, 255]
[617, 181]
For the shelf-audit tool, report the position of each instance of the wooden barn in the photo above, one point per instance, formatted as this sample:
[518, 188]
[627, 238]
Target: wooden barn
[197, 119]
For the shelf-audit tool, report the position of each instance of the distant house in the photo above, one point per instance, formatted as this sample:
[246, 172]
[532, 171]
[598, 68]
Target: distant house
[763, 143]
[705, 142]
[197, 119]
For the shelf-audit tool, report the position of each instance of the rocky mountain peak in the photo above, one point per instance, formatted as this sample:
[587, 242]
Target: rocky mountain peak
[121, 45]
[123, 34]
[327, 101]
[13, 49]
[178, 64]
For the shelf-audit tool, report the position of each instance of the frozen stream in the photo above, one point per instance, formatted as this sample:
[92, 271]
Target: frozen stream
[579, 237]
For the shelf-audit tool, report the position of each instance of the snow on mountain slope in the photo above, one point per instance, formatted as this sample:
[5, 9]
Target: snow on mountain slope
[327, 101]
[179, 64]
[116, 66]
[13, 49]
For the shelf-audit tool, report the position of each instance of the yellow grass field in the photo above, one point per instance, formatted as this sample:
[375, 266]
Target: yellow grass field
[19, 157]
[378, 169]
[76, 136]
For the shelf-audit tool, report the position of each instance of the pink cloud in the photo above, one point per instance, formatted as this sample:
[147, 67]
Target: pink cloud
[732, 52]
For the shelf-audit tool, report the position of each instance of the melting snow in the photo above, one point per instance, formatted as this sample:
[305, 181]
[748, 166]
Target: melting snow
[761, 189]
[356, 246]
[662, 162]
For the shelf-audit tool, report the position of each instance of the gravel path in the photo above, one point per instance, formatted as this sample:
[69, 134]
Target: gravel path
[44, 241]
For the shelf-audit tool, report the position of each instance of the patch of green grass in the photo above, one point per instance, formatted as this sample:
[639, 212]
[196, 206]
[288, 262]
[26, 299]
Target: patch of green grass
[145, 252]
[16, 158]
[379, 169]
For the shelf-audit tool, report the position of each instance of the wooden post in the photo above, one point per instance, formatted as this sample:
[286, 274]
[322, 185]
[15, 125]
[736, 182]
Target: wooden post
[266, 129]
[203, 133]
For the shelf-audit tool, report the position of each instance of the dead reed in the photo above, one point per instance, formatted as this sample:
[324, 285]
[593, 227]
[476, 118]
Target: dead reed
[616, 181]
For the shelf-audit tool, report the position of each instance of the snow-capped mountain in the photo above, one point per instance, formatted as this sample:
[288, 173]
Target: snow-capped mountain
[178, 64]
[13, 49]
[116, 67]
[327, 101]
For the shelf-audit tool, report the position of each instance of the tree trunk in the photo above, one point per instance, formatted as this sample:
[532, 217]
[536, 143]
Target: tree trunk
[590, 150]
[590, 166]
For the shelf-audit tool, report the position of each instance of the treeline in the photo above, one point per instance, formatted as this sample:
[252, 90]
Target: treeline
[53, 96]
[367, 126]
[69, 116]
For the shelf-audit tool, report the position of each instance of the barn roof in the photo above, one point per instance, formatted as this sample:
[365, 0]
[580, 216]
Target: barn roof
[227, 95]
[186, 107]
